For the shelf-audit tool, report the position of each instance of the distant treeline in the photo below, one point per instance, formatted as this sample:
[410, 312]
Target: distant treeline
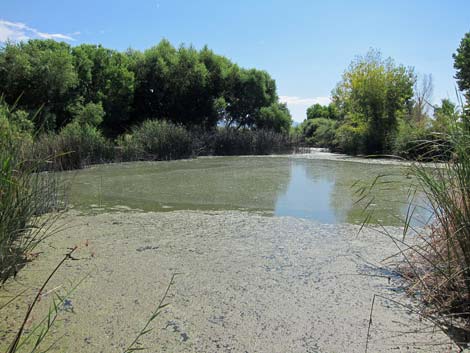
[380, 108]
[57, 84]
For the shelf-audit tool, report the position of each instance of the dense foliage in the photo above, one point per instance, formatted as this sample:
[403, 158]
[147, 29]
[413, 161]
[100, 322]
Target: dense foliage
[23, 194]
[117, 90]
[462, 65]
[371, 97]
[380, 107]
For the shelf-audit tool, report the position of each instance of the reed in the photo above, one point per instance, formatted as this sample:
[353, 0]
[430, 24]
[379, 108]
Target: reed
[25, 198]
[435, 252]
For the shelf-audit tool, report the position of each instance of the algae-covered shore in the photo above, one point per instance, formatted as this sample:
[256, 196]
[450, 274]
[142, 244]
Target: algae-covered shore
[246, 283]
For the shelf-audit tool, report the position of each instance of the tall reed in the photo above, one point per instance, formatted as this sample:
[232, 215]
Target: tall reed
[435, 253]
[25, 196]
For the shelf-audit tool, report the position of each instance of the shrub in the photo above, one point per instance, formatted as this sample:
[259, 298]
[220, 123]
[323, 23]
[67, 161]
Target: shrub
[232, 142]
[319, 132]
[159, 140]
[436, 247]
[420, 143]
[76, 146]
[15, 127]
[350, 139]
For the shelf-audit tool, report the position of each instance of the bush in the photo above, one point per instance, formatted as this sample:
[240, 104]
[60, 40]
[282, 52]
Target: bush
[319, 132]
[420, 143]
[231, 142]
[15, 128]
[275, 117]
[350, 139]
[76, 146]
[158, 140]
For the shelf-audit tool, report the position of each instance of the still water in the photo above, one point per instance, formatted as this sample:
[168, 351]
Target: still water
[317, 189]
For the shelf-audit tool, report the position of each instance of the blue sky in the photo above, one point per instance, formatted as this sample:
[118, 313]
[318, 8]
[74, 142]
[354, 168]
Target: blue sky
[304, 45]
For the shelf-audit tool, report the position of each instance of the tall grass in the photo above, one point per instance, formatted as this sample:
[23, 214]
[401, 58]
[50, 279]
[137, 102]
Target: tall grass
[157, 140]
[72, 148]
[25, 195]
[226, 141]
[436, 251]
[77, 146]
[440, 264]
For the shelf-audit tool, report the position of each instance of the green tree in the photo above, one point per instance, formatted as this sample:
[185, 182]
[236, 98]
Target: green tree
[174, 84]
[319, 132]
[41, 74]
[462, 65]
[247, 91]
[318, 111]
[445, 116]
[372, 96]
[105, 76]
[89, 113]
[276, 117]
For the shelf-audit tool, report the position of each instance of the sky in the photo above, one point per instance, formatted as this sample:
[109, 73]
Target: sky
[304, 44]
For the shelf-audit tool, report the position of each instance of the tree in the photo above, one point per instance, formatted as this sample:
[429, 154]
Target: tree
[319, 132]
[247, 91]
[176, 84]
[445, 116]
[276, 117]
[318, 111]
[89, 113]
[153, 75]
[104, 76]
[423, 90]
[41, 75]
[372, 96]
[462, 65]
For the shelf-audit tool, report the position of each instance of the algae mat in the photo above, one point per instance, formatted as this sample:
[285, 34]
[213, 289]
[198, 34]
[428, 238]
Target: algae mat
[247, 283]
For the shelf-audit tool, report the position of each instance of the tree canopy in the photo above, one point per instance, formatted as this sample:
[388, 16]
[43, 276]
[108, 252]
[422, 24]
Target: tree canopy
[372, 95]
[318, 111]
[183, 85]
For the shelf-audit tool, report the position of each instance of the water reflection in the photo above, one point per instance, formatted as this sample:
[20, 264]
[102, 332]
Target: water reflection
[326, 191]
[307, 196]
[320, 190]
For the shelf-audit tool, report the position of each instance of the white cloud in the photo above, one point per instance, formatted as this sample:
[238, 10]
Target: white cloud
[298, 106]
[293, 100]
[17, 31]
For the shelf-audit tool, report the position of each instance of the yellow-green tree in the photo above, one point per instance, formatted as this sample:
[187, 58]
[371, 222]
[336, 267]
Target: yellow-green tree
[371, 97]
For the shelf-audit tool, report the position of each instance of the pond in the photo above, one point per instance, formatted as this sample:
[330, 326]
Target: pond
[266, 249]
[318, 189]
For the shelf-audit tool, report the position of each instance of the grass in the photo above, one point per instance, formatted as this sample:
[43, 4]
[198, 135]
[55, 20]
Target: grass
[440, 263]
[25, 198]
[435, 253]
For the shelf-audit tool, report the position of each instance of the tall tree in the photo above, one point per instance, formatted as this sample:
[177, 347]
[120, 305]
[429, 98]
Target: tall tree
[41, 74]
[372, 95]
[247, 92]
[104, 76]
[462, 66]
[318, 111]
[276, 117]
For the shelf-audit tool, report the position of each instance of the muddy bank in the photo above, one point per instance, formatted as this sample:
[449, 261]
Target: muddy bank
[247, 283]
